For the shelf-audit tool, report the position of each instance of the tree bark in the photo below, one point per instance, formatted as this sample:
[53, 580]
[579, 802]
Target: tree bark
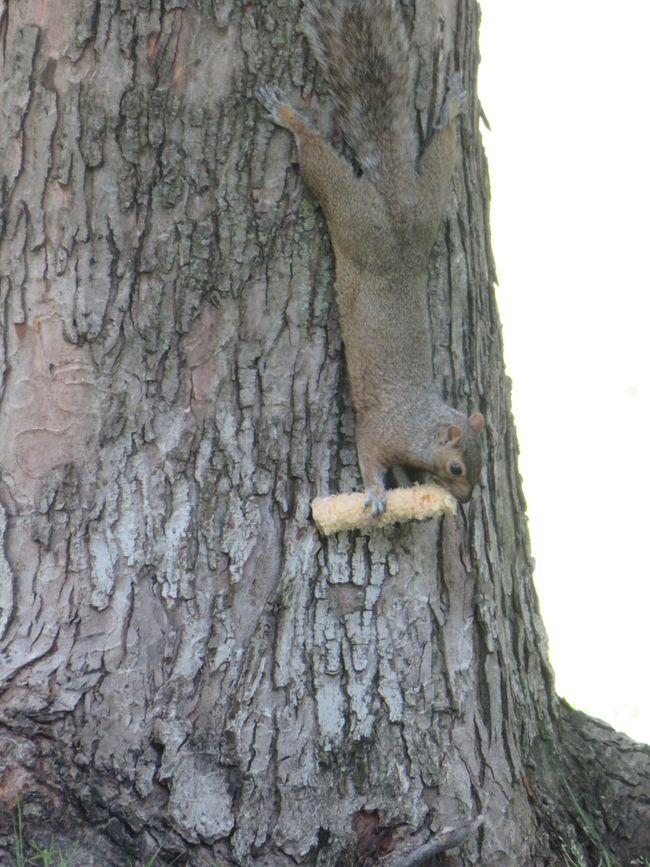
[187, 667]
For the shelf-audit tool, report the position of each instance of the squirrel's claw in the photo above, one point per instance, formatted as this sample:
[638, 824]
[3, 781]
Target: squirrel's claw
[281, 112]
[455, 101]
[375, 501]
[270, 99]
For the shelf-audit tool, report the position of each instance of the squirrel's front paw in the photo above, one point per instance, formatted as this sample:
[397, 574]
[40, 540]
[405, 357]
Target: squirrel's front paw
[375, 500]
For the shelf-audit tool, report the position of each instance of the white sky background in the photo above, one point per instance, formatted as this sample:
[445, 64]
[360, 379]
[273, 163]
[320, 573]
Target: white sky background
[566, 88]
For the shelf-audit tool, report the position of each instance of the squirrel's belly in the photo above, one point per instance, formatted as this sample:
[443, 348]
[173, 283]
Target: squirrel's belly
[392, 339]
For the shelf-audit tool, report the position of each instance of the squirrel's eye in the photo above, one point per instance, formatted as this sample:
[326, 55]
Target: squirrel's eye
[456, 469]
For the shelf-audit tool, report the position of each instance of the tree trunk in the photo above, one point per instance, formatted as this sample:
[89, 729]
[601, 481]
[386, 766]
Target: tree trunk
[187, 667]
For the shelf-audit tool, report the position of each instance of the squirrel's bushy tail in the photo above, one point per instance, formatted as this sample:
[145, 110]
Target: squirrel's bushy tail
[364, 52]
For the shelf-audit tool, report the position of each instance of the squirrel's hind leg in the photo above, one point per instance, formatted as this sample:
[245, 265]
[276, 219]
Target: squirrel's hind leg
[345, 199]
[436, 164]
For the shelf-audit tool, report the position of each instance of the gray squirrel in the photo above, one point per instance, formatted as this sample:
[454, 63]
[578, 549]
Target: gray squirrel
[383, 225]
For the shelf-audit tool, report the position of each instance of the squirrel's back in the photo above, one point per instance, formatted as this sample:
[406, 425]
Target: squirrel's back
[365, 54]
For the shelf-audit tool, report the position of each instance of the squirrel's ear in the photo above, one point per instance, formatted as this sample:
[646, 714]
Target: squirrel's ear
[445, 434]
[476, 422]
[448, 435]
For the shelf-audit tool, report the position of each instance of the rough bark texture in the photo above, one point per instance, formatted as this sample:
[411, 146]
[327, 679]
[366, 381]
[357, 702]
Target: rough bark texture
[185, 663]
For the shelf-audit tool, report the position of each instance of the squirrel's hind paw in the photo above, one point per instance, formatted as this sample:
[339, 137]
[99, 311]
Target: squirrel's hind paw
[282, 112]
[270, 99]
[455, 101]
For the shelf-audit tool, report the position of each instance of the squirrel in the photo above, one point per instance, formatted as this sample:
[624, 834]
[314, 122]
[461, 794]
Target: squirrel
[383, 223]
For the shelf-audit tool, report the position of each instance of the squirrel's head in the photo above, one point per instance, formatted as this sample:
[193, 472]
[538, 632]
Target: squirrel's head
[457, 464]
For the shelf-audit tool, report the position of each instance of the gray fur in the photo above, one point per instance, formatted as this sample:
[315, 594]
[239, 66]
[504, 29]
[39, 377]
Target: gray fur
[383, 226]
